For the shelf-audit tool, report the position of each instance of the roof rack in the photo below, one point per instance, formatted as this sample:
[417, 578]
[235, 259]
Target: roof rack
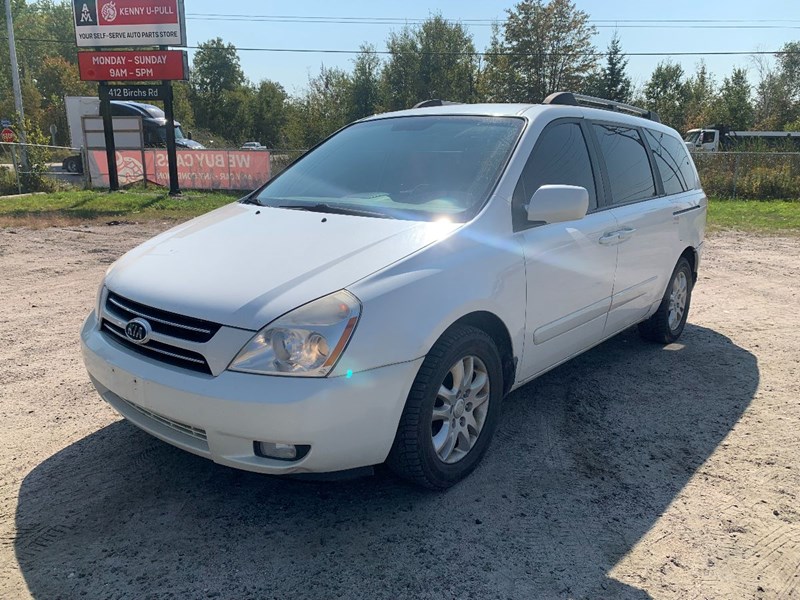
[434, 102]
[570, 99]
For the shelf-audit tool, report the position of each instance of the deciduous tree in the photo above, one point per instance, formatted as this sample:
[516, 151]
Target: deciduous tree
[546, 47]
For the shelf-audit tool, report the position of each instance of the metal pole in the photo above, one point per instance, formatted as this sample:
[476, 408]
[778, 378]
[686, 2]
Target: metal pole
[12, 51]
[172, 154]
[111, 149]
[16, 168]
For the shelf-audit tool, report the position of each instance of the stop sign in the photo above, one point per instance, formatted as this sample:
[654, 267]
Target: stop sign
[7, 135]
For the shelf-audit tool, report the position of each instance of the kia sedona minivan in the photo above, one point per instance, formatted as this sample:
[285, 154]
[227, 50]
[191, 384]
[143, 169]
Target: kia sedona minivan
[377, 300]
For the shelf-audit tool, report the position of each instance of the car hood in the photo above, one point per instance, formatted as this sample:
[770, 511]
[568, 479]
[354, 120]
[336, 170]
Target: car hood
[244, 265]
[187, 143]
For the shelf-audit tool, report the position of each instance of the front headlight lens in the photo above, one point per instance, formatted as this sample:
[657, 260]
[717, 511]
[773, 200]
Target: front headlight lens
[306, 342]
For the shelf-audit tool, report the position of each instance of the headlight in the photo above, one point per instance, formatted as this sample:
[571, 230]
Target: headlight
[305, 342]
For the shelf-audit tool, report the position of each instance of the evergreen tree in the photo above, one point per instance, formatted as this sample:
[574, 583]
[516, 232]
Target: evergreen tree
[614, 83]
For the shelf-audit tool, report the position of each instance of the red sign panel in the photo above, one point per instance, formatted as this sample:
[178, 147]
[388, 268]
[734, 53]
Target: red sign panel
[8, 135]
[197, 169]
[133, 65]
[138, 12]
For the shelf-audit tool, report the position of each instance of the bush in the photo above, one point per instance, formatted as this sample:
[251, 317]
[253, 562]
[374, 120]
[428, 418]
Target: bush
[750, 176]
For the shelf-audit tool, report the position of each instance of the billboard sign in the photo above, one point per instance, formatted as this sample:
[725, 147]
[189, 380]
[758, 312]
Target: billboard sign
[106, 23]
[133, 65]
[197, 169]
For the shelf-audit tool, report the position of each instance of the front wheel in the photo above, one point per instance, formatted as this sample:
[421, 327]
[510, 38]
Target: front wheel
[451, 411]
[667, 323]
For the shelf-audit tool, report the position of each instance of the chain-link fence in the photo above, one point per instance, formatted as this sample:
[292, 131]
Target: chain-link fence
[38, 168]
[750, 175]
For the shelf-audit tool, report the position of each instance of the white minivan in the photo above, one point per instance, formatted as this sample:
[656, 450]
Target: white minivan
[377, 300]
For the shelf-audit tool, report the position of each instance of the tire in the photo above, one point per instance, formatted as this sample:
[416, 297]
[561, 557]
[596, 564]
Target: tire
[667, 323]
[463, 416]
[73, 165]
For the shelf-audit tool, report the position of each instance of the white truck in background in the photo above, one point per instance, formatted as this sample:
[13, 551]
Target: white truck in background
[719, 138]
[154, 121]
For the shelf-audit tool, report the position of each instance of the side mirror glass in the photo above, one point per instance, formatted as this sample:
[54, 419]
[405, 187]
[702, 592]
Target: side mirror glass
[558, 203]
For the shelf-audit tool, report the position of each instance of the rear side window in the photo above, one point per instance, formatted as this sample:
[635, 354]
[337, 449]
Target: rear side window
[559, 157]
[628, 165]
[672, 161]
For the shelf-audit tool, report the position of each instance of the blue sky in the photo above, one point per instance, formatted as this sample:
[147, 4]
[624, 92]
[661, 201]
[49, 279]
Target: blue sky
[292, 70]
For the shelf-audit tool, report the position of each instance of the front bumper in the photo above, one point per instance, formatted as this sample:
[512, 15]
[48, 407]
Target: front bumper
[349, 422]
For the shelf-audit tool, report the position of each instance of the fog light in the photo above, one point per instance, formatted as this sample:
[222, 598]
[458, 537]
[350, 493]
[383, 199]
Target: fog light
[280, 451]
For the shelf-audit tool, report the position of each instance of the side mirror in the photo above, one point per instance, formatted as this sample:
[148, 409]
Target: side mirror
[189, 134]
[558, 203]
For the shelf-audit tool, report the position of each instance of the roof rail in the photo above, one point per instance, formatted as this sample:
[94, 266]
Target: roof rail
[434, 102]
[570, 99]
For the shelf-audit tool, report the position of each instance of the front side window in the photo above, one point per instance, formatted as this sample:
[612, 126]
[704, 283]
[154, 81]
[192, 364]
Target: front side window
[672, 161]
[415, 168]
[627, 163]
[708, 137]
[560, 157]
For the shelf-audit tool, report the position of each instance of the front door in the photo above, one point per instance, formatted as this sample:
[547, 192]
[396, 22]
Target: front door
[569, 266]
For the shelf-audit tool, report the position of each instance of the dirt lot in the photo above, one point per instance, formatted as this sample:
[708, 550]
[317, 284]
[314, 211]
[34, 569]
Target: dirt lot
[634, 471]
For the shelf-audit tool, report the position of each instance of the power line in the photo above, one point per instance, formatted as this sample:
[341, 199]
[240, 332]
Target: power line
[476, 53]
[599, 23]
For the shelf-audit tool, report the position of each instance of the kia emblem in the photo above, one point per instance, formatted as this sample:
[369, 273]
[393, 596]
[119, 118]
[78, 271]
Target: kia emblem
[138, 331]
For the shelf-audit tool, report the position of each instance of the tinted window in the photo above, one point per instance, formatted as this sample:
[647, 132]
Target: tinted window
[672, 161]
[560, 157]
[417, 168]
[627, 163]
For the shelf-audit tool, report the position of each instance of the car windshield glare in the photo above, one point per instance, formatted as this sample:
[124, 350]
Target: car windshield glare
[414, 168]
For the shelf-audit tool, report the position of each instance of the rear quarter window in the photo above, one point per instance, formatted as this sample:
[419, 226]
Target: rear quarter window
[673, 162]
[627, 163]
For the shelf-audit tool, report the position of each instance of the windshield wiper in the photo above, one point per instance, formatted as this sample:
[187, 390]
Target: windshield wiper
[250, 199]
[336, 210]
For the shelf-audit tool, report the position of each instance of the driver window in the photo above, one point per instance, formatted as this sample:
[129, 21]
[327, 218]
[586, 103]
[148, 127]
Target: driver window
[559, 157]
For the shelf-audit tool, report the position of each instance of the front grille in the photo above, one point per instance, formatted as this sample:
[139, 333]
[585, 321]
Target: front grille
[166, 323]
[162, 321]
[194, 432]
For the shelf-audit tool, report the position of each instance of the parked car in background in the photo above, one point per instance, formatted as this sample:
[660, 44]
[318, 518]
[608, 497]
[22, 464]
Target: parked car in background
[253, 146]
[377, 300]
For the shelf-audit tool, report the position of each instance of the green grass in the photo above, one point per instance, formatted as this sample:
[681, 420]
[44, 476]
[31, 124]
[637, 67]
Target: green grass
[136, 204]
[761, 216]
[139, 204]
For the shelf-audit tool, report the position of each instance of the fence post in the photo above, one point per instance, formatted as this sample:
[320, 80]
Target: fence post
[735, 174]
[16, 168]
[87, 178]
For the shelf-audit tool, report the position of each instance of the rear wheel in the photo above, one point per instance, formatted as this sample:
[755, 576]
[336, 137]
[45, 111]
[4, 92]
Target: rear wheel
[667, 323]
[451, 411]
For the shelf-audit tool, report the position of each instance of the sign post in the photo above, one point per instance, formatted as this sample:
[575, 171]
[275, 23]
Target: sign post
[172, 153]
[110, 144]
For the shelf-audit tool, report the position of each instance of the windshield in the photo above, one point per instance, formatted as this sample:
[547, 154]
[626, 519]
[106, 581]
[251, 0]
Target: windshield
[162, 133]
[692, 136]
[416, 168]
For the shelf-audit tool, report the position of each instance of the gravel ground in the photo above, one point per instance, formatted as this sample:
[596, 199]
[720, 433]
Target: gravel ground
[634, 471]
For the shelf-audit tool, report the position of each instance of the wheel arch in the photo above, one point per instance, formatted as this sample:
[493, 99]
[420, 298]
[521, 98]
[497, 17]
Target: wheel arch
[690, 254]
[495, 328]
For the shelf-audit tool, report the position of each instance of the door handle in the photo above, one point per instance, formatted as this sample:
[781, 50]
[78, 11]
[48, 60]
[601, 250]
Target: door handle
[626, 233]
[611, 237]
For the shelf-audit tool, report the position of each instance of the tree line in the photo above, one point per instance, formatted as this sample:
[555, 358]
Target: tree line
[539, 48]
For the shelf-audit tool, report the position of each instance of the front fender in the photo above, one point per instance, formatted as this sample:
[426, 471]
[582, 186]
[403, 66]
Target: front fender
[408, 305]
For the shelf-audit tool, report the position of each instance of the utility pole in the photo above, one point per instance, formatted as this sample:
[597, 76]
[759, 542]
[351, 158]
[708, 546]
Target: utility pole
[12, 51]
